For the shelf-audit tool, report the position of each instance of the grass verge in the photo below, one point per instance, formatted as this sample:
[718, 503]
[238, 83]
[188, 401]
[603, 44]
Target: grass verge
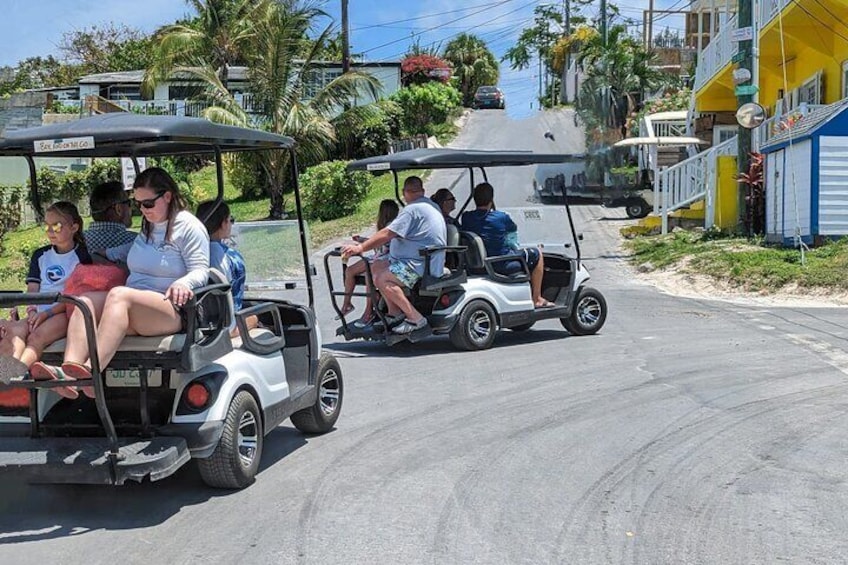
[749, 265]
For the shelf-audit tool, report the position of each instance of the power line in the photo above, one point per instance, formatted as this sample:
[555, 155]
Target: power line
[384, 24]
[489, 7]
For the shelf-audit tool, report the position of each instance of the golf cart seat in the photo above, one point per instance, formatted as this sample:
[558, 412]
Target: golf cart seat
[501, 268]
[208, 317]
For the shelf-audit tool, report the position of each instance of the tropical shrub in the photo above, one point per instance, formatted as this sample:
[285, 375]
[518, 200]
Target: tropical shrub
[426, 105]
[330, 191]
[423, 68]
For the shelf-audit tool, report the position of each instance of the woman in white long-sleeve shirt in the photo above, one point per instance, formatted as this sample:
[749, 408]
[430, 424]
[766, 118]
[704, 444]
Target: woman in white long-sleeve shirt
[167, 261]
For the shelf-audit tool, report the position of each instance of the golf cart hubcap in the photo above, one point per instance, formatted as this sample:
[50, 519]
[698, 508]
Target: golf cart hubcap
[248, 438]
[328, 392]
[588, 311]
[479, 326]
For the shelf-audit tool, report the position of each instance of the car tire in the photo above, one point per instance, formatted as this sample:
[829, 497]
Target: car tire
[522, 327]
[637, 209]
[322, 415]
[235, 461]
[476, 328]
[588, 315]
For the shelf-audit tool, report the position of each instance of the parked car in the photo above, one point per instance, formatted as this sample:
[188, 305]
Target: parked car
[489, 97]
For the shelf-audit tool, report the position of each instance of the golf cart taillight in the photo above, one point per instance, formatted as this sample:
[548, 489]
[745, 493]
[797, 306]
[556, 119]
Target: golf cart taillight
[445, 300]
[197, 396]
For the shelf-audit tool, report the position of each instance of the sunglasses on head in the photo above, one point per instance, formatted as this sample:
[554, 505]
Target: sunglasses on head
[232, 219]
[148, 202]
[55, 228]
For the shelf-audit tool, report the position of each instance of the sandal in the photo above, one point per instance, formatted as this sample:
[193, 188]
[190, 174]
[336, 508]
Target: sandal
[81, 373]
[544, 304]
[42, 372]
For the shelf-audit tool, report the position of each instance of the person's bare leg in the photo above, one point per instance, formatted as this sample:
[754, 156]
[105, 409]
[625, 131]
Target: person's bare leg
[392, 291]
[14, 339]
[76, 348]
[379, 271]
[129, 311]
[350, 283]
[536, 282]
[50, 330]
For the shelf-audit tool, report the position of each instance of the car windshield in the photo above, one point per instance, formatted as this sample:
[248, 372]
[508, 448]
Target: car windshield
[487, 90]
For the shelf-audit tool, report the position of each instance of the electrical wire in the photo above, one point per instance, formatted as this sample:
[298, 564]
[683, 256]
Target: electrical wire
[424, 17]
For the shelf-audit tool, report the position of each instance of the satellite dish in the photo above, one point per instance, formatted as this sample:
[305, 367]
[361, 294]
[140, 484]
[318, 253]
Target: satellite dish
[750, 115]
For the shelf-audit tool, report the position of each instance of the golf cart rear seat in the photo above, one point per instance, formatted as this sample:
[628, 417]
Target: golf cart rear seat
[479, 264]
[208, 316]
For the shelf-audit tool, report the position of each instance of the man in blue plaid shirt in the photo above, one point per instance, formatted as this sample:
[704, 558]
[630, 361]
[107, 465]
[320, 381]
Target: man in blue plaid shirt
[112, 215]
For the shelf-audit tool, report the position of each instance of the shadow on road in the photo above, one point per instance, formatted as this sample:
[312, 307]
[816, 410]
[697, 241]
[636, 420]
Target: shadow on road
[438, 345]
[40, 512]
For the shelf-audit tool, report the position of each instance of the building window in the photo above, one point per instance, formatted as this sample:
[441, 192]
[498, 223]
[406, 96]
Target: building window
[184, 91]
[810, 91]
[123, 92]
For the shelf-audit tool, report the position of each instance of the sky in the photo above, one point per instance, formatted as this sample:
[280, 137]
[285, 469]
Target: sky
[381, 29]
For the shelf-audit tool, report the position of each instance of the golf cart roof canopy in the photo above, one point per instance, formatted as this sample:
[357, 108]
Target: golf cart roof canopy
[457, 159]
[132, 135]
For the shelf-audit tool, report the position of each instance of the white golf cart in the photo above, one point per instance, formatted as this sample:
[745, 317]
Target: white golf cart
[165, 400]
[472, 299]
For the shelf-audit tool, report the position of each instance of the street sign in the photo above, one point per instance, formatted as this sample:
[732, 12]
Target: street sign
[740, 56]
[128, 170]
[742, 34]
[746, 90]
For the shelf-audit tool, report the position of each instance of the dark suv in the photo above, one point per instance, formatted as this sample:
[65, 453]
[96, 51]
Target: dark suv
[489, 97]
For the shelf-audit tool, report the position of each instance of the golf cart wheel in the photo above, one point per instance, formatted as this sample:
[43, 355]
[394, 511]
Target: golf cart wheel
[522, 327]
[637, 209]
[588, 315]
[322, 415]
[235, 461]
[476, 327]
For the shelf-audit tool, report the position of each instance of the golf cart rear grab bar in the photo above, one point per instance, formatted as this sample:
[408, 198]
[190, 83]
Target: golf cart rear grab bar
[8, 299]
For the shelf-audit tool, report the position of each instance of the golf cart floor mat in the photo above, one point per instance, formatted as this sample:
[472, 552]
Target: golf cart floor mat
[87, 461]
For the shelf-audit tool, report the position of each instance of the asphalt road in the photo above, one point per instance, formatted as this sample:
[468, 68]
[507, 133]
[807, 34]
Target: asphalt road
[687, 431]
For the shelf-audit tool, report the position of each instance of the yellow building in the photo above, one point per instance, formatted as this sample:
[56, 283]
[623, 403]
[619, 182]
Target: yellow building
[803, 57]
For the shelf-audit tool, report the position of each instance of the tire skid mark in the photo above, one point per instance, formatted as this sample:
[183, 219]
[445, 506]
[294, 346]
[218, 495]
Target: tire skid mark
[662, 445]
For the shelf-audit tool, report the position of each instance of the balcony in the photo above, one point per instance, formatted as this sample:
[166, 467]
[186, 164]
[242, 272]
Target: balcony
[717, 55]
[769, 9]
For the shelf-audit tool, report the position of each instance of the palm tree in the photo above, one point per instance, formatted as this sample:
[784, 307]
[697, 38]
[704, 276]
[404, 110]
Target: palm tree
[289, 94]
[217, 37]
[473, 64]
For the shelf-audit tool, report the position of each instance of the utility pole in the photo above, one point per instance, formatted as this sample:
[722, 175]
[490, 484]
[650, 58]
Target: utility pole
[743, 94]
[345, 39]
[604, 22]
[649, 31]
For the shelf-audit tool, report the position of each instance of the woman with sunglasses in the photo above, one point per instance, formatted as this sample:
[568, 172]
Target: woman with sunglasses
[168, 259]
[49, 270]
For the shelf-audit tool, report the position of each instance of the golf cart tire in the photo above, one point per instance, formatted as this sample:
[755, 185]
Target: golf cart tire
[523, 327]
[476, 328]
[637, 209]
[317, 419]
[225, 468]
[588, 315]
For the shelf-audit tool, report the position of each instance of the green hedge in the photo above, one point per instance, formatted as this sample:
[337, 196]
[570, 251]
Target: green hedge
[330, 191]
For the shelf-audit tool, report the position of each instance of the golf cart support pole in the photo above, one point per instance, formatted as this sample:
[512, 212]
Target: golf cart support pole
[397, 187]
[33, 188]
[12, 299]
[301, 227]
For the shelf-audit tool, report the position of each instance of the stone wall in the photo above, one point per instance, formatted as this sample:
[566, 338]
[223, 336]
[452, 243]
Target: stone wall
[23, 110]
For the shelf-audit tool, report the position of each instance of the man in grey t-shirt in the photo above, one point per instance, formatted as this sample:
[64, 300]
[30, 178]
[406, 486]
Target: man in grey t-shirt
[420, 224]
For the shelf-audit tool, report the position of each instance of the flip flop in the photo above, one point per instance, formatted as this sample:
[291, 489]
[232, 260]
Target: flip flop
[42, 372]
[545, 304]
[81, 373]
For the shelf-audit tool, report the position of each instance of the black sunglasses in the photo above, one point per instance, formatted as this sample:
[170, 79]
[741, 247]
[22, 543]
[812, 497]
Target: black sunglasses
[149, 202]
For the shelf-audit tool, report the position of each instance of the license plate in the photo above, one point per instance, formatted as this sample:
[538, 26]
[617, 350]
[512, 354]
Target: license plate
[132, 377]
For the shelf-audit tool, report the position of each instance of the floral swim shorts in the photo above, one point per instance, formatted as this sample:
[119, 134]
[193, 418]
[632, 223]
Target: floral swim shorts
[404, 271]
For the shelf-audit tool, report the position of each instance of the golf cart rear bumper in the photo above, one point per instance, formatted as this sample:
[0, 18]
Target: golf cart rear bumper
[87, 460]
[201, 438]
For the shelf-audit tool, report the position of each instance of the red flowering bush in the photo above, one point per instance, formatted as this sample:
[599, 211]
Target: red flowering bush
[420, 69]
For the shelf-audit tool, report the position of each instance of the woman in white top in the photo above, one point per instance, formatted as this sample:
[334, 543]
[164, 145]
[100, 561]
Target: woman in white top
[167, 261]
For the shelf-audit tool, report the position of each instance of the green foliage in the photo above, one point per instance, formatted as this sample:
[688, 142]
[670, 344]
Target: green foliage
[363, 131]
[75, 186]
[107, 48]
[473, 65]
[425, 105]
[670, 101]
[330, 191]
[393, 115]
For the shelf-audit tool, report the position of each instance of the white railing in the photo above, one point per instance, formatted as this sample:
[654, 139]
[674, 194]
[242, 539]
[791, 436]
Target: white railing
[191, 108]
[769, 10]
[773, 126]
[689, 181]
[716, 55]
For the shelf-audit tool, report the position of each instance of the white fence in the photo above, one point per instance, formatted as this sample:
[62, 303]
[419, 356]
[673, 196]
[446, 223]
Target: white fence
[717, 54]
[691, 180]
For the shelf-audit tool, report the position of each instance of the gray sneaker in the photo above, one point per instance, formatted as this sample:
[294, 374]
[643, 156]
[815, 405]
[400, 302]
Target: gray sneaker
[408, 327]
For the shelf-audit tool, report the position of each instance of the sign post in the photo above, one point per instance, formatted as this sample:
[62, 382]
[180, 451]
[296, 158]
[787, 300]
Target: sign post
[128, 170]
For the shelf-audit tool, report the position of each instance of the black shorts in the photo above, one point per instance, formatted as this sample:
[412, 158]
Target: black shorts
[531, 256]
